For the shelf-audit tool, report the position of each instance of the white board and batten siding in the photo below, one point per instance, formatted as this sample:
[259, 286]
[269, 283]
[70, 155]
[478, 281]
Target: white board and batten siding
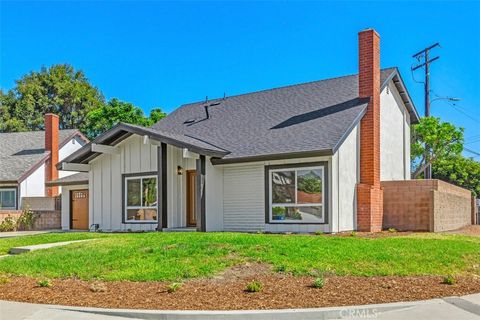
[105, 183]
[244, 198]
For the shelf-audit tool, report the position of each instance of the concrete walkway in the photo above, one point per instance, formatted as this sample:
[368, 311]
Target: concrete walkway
[25, 233]
[465, 308]
[19, 250]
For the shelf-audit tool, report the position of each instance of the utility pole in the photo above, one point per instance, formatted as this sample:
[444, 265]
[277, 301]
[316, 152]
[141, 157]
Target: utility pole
[426, 63]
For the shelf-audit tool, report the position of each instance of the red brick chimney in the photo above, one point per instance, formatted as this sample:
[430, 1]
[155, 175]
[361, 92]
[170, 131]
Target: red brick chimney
[369, 193]
[51, 144]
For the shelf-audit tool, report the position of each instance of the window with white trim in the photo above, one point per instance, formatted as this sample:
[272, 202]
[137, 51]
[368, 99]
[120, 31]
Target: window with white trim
[140, 199]
[8, 199]
[297, 195]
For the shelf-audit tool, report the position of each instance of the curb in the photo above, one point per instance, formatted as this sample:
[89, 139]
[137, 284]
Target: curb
[330, 313]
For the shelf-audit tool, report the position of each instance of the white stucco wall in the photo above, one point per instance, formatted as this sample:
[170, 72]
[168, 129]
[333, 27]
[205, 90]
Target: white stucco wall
[70, 147]
[214, 197]
[394, 136]
[34, 184]
[66, 204]
[345, 163]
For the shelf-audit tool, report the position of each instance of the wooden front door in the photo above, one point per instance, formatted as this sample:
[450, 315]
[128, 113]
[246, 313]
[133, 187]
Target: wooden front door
[191, 219]
[79, 212]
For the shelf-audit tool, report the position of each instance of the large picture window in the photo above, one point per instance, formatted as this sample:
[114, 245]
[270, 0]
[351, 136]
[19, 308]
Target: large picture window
[140, 199]
[296, 195]
[8, 199]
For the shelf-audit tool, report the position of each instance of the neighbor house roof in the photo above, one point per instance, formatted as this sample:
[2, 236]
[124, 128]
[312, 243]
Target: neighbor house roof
[294, 121]
[71, 180]
[22, 152]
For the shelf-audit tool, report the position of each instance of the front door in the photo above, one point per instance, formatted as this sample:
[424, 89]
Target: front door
[191, 219]
[79, 205]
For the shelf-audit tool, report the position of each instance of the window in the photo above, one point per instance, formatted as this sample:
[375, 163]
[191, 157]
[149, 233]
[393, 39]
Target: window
[8, 198]
[296, 195]
[140, 199]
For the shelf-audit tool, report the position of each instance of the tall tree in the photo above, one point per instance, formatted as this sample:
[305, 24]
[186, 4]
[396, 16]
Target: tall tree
[115, 111]
[59, 89]
[433, 141]
[461, 171]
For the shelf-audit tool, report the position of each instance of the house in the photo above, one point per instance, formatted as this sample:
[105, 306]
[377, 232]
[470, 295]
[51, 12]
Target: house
[301, 158]
[27, 161]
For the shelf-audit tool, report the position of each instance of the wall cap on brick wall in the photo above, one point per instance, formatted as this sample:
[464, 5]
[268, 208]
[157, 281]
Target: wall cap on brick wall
[435, 184]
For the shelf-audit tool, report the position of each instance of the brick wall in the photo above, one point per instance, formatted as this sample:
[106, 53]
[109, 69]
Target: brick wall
[46, 220]
[39, 203]
[425, 205]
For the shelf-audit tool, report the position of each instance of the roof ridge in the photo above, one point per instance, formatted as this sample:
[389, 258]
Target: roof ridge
[283, 87]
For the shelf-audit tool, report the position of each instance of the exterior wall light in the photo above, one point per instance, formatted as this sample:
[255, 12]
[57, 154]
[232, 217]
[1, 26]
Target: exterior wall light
[179, 170]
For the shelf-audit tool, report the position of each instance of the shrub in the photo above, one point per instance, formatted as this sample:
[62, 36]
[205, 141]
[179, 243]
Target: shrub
[281, 268]
[254, 286]
[174, 287]
[4, 279]
[450, 280]
[147, 250]
[98, 287]
[26, 220]
[8, 224]
[45, 283]
[318, 283]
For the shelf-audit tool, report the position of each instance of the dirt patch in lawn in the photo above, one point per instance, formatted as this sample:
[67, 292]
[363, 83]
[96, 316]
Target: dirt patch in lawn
[473, 230]
[227, 291]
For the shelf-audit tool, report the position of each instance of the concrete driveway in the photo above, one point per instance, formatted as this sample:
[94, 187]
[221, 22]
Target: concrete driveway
[465, 308]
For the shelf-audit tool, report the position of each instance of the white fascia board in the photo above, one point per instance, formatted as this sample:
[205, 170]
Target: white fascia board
[187, 154]
[66, 166]
[101, 148]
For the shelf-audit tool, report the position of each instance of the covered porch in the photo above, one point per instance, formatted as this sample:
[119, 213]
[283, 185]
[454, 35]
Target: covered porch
[140, 180]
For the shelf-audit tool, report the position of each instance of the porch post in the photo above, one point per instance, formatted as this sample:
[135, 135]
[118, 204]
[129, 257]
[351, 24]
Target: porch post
[200, 194]
[162, 187]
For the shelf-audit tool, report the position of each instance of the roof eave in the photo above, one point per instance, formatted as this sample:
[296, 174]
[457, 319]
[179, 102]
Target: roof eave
[402, 90]
[120, 132]
[268, 157]
[66, 183]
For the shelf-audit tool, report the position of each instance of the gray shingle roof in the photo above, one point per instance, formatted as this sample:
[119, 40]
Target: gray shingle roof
[308, 117]
[305, 119]
[20, 151]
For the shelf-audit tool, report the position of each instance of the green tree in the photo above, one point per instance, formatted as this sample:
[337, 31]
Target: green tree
[115, 111]
[59, 89]
[62, 90]
[433, 141]
[461, 171]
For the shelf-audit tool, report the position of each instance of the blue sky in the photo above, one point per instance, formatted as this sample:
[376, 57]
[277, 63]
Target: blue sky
[160, 54]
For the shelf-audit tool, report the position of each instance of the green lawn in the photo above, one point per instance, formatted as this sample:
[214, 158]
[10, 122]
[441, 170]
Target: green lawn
[177, 256]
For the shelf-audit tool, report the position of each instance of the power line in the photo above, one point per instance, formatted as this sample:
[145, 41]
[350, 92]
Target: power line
[472, 151]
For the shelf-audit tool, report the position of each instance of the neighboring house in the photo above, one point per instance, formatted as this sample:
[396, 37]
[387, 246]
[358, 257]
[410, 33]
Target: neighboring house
[301, 158]
[28, 159]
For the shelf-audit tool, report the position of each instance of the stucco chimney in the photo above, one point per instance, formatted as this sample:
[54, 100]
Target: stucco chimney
[51, 144]
[369, 193]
